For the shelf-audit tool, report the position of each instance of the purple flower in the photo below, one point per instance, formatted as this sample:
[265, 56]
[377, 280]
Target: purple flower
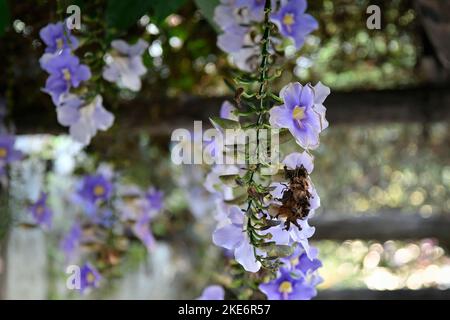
[90, 277]
[7, 152]
[57, 37]
[94, 190]
[155, 199]
[293, 22]
[125, 66]
[142, 230]
[287, 286]
[299, 261]
[233, 38]
[227, 111]
[232, 236]
[302, 113]
[41, 213]
[71, 242]
[65, 72]
[255, 8]
[83, 119]
[214, 292]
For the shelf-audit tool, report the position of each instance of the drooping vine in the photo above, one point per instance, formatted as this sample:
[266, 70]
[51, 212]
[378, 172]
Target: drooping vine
[264, 216]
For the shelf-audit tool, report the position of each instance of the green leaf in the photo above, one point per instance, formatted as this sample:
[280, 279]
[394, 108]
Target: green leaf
[280, 251]
[229, 179]
[222, 124]
[164, 8]
[4, 17]
[207, 8]
[122, 14]
[238, 200]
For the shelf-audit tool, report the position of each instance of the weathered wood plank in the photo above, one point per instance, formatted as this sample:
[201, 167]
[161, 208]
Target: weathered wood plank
[162, 116]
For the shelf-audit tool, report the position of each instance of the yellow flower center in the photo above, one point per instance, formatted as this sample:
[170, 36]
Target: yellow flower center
[90, 277]
[3, 152]
[294, 262]
[40, 211]
[59, 43]
[285, 287]
[99, 190]
[288, 21]
[66, 74]
[298, 113]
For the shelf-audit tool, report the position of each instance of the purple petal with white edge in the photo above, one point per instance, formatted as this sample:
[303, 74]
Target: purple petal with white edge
[228, 237]
[307, 24]
[226, 111]
[245, 255]
[279, 235]
[224, 16]
[321, 92]
[102, 118]
[67, 116]
[121, 46]
[314, 201]
[130, 81]
[303, 292]
[307, 137]
[82, 73]
[299, 5]
[296, 159]
[291, 95]
[212, 293]
[138, 48]
[236, 215]
[111, 73]
[82, 131]
[306, 97]
[306, 246]
[280, 117]
[137, 66]
[270, 289]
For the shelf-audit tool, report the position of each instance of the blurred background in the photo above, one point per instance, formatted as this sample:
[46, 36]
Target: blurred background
[382, 169]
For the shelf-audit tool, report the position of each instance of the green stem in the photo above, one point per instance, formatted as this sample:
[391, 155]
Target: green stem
[262, 93]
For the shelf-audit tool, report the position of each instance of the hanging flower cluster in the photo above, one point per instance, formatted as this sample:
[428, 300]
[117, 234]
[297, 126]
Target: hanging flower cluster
[263, 220]
[111, 215]
[240, 21]
[8, 152]
[76, 106]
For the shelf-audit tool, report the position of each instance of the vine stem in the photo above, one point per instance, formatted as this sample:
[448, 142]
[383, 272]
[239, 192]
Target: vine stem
[262, 93]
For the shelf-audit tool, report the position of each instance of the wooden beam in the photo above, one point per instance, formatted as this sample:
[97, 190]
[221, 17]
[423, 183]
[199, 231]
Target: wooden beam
[162, 116]
[366, 294]
[382, 227]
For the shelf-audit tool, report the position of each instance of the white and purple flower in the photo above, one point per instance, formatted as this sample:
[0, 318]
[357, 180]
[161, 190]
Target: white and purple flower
[41, 213]
[232, 236]
[93, 191]
[90, 277]
[65, 71]
[293, 22]
[83, 119]
[302, 113]
[57, 37]
[125, 66]
[288, 286]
